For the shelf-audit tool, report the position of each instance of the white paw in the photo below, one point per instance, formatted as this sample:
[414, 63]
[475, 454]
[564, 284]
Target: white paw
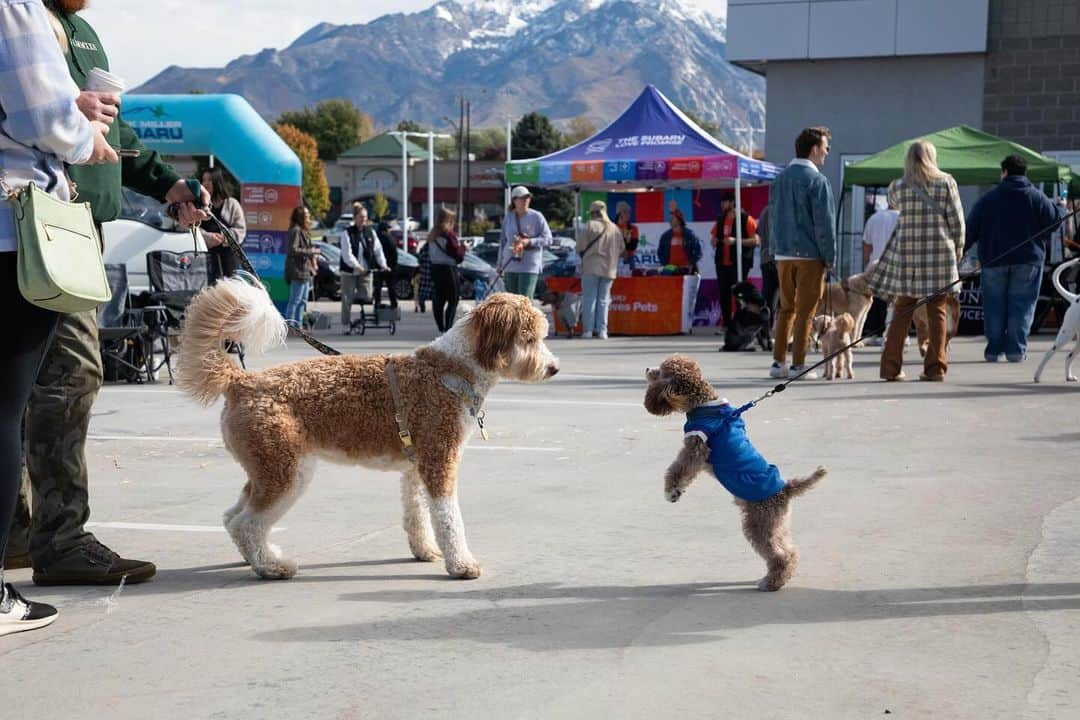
[463, 569]
[278, 569]
[425, 551]
[1070, 378]
[673, 494]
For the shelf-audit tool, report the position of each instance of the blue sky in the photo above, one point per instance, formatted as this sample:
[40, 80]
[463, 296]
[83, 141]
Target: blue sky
[142, 39]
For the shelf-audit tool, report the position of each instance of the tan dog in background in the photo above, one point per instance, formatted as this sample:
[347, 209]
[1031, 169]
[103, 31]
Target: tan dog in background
[679, 386]
[846, 297]
[835, 334]
[343, 408]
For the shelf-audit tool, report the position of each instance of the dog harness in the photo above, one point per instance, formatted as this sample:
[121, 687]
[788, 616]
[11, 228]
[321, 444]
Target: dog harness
[736, 462]
[454, 383]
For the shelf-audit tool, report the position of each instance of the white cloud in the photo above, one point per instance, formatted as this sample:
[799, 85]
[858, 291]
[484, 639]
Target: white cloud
[142, 39]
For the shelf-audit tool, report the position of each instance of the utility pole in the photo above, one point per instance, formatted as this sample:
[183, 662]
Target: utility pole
[461, 162]
[509, 152]
[468, 159]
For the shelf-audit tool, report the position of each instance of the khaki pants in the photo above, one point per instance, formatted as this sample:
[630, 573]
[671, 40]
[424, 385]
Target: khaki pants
[354, 286]
[801, 284]
[936, 362]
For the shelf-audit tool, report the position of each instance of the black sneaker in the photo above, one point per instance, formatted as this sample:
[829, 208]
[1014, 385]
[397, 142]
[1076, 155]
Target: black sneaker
[93, 564]
[18, 614]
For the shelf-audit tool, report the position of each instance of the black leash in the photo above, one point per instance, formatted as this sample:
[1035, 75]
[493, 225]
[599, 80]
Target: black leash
[237, 249]
[923, 301]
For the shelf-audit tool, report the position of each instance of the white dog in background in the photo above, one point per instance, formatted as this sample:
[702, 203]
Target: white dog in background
[1070, 326]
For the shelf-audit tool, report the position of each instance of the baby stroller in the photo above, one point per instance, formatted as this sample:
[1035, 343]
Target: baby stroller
[752, 322]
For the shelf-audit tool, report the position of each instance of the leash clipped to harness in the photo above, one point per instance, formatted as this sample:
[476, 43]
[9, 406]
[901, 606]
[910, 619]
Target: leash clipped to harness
[464, 390]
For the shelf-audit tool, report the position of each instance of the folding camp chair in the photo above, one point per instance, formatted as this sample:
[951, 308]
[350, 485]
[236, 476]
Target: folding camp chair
[175, 278]
[126, 338]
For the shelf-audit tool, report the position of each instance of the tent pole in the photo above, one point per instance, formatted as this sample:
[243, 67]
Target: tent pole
[738, 229]
[839, 232]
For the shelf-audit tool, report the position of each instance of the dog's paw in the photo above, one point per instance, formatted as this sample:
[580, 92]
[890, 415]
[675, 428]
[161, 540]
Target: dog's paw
[1068, 378]
[673, 494]
[279, 569]
[465, 570]
[425, 552]
[769, 584]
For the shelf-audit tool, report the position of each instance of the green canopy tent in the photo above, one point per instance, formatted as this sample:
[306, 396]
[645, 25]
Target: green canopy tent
[969, 155]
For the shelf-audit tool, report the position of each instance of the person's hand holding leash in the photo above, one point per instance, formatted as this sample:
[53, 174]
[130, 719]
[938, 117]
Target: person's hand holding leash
[185, 207]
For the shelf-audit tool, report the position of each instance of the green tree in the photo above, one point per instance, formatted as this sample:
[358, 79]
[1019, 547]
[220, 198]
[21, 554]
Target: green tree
[409, 126]
[315, 190]
[336, 125]
[578, 129]
[380, 206]
[534, 136]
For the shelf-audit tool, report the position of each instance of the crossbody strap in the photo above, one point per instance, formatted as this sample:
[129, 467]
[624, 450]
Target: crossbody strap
[928, 200]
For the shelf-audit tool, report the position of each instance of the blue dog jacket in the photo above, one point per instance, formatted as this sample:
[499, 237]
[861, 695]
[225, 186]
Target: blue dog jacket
[738, 465]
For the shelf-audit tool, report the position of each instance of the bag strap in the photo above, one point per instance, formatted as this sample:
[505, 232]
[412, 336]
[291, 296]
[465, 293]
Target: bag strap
[928, 200]
[594, 241]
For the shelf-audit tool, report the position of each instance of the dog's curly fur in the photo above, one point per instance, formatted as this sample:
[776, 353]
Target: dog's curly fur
[679, 386]
[277, 421]
[846, 296]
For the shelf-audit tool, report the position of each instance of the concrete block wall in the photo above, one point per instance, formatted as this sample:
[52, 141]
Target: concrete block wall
[1032, 93]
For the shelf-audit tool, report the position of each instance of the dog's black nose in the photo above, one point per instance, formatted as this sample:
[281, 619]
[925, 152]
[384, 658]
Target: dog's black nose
[552, 370]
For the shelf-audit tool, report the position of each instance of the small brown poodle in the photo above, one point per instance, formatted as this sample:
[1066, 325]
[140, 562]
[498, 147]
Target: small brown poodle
[836, 334]
[716, 442]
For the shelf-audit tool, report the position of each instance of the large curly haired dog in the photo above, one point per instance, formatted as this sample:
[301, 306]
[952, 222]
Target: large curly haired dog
[716, 442]
[277, 421]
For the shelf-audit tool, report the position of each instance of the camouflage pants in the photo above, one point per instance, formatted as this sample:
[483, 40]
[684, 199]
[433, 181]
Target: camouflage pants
[54, 437]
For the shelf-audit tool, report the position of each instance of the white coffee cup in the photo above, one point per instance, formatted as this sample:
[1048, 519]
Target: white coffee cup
[99, 80]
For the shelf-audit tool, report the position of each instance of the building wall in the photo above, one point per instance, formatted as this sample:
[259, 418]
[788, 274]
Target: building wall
[870, 103]
[1032, 92]
[767, 30]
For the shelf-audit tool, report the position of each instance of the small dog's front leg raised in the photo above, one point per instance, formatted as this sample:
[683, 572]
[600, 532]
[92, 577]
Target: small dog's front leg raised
[691, 460]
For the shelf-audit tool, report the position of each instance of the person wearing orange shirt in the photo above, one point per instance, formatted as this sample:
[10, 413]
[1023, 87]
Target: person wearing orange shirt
[724, 240]
[679, 246]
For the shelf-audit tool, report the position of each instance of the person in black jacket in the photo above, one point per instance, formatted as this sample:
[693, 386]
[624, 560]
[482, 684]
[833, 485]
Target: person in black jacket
[390, 253]
[999, 225]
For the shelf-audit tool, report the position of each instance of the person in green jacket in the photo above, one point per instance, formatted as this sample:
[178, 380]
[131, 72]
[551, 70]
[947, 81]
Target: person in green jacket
[54, 539]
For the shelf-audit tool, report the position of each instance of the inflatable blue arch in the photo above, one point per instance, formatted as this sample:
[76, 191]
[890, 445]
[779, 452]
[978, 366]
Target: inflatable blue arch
[228, 128]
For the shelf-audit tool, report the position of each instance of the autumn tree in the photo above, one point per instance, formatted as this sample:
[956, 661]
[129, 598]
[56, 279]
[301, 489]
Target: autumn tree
[380, 206]
[336, 125]
[578, 129]
[315, 190]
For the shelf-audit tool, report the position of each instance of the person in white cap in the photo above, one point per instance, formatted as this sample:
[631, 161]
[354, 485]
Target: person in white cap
[525, 234]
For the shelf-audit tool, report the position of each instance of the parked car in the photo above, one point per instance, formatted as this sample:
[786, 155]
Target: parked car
[143, 226]
[552, 264]
[471, 271]
[344, 220]
[414, 241]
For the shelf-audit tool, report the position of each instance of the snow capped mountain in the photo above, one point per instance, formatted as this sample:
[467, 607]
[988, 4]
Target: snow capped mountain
[561, 57]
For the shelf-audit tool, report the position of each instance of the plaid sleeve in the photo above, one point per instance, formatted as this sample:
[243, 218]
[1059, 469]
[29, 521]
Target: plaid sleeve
[954, 217]
[38, 92]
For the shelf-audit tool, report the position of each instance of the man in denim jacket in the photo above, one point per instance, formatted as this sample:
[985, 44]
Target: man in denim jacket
[802, 235]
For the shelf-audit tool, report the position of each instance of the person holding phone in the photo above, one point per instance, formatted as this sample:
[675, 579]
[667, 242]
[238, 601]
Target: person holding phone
[525, 234]
[51, 536]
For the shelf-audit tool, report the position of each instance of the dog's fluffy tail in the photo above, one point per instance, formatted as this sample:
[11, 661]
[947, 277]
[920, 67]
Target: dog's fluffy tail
[797, 486]
[1057, 279]
[231, 310]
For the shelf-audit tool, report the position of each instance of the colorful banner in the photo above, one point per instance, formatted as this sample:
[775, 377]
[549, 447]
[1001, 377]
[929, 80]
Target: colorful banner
[642, 305]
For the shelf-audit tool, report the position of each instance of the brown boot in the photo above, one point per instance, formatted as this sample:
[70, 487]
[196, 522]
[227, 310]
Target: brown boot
[93, 564]
[16, 561]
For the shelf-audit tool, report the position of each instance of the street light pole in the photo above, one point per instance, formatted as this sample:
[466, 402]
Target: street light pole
[403, 137]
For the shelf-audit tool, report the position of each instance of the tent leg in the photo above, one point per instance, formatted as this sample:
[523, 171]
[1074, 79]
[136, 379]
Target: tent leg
[738, 230]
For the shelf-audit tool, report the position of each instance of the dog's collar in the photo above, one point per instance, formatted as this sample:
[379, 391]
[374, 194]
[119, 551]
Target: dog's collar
[465, 390]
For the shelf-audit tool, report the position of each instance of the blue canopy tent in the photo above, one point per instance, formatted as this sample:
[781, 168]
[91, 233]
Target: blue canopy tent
[651, 145]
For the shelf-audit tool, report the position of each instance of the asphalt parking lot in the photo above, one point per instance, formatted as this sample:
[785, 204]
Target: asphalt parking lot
[940, 573]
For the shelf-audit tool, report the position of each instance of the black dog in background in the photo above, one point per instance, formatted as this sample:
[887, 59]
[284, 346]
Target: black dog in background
[751, 323]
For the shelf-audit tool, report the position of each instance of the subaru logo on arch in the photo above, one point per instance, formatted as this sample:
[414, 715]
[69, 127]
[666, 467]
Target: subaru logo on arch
[598, 146]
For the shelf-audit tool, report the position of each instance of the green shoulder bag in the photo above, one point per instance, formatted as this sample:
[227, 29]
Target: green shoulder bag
[59, 261]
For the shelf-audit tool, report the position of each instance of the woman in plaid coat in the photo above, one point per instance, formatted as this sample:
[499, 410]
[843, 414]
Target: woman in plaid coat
[425, 291]
[920, 259]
